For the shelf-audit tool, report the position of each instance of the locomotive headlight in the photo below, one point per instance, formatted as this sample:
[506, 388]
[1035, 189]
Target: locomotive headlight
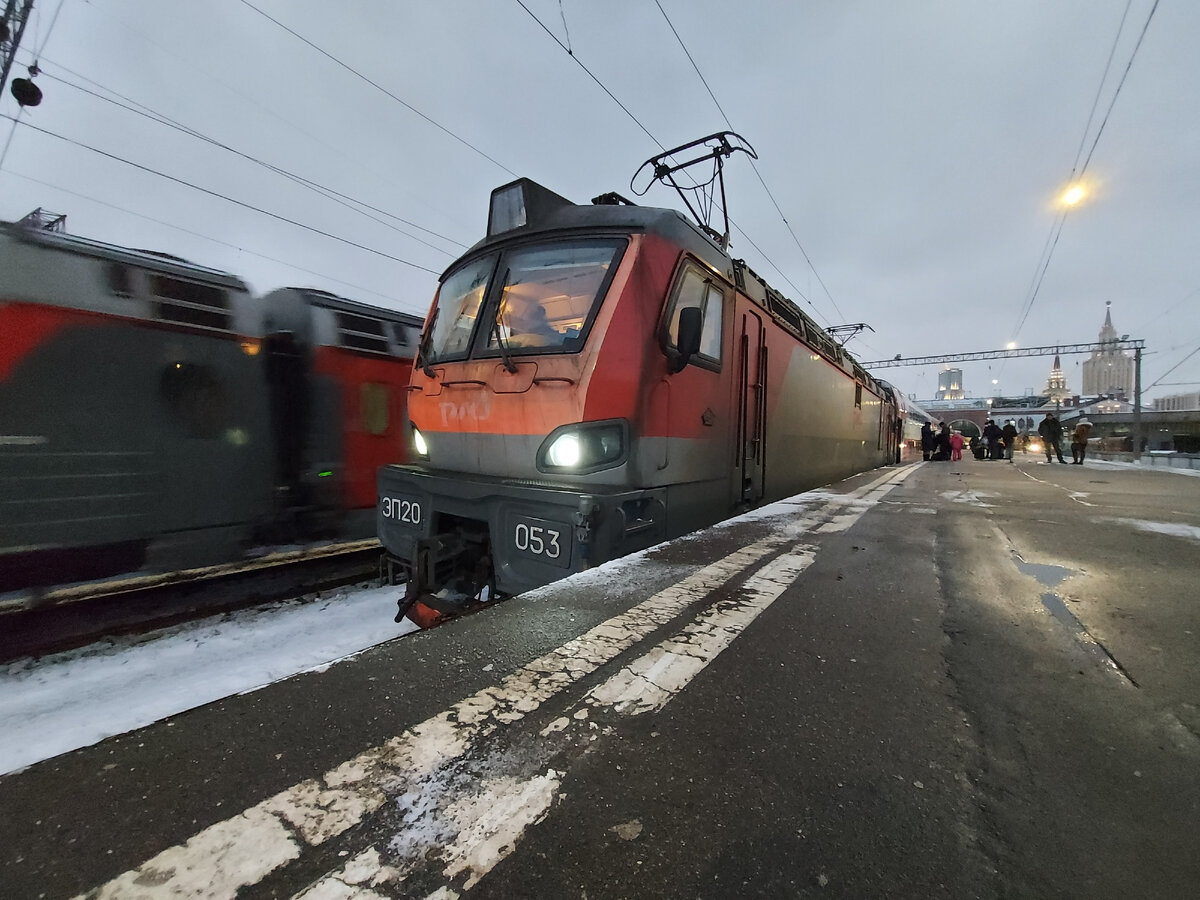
[419, 444]
[565, 451]
[587, 447]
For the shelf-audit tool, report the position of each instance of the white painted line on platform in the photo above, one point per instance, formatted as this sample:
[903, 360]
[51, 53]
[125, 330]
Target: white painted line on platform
[238, 852]
[456, 822]
[320, 810]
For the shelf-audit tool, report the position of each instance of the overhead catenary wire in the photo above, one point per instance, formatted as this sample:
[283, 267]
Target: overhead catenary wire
[330, 193]
[179, 57]
[226, 197]
[1172, 369]
[1056, 229]
[761, 180]
[650, 135]
[379, 87]
[207, 237]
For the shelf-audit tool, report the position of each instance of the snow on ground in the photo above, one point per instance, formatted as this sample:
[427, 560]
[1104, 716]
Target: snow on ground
[70, 700]
[1147, 467]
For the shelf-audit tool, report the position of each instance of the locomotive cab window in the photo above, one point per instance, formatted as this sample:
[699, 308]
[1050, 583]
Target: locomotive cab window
[458, 304]
[549, 295]
[857, 395]
[531, 299]
[698, 290]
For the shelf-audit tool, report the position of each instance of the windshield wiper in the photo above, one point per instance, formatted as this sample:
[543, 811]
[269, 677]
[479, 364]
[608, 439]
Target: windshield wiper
[509, 365]
[424, 355]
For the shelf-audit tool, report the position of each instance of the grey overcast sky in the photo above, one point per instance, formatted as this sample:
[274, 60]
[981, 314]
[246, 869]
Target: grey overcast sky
[916, 149]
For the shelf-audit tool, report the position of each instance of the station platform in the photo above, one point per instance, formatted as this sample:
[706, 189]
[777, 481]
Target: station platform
[968, 679]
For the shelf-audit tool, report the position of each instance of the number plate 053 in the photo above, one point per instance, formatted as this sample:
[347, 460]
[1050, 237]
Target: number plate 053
[545, 541]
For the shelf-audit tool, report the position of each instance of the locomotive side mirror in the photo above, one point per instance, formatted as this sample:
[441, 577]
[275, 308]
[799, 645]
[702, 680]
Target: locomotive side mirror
[688, 344]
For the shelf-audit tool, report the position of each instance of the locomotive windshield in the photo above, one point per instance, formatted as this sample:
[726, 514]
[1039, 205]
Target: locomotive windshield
[531, 299]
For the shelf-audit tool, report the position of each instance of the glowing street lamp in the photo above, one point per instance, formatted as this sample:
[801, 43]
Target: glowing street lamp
[1074, 195]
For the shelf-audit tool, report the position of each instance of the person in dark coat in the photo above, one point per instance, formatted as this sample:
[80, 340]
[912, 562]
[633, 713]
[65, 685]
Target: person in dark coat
[941, 452]
[1051, 433]
[928, 441]
[993, 435]
[1010, 439]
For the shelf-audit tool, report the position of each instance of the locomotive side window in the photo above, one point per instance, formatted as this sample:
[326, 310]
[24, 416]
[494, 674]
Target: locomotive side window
[402, 334]
[549, 294]
[361, 333]
[699, 291]
[190, 302]
[120, 279]
[457, 309]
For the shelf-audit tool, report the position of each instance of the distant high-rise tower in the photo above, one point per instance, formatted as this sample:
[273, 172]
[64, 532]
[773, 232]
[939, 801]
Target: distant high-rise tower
[950, 385]
[1109, 370]
[1056, 384]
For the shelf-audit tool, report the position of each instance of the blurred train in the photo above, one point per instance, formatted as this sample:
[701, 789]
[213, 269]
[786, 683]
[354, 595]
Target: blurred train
[596, 379]
[155, 416]
[912, 418]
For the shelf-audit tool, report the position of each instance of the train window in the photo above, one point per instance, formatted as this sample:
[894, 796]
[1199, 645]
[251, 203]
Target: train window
[402, 334]
[549, 294]
[120, 279]
[189, 302]
[361, 333]
[374, 400]
[857, 395]
[698, 290]
[459, 299]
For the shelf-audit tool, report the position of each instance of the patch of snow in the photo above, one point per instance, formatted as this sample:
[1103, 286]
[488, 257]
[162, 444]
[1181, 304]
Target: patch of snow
[75, 699]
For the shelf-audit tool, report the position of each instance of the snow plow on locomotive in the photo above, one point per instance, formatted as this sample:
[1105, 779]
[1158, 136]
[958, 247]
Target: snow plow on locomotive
[595, 379]
[155, 416]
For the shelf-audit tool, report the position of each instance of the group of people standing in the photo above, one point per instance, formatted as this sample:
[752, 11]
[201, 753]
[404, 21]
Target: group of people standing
[1051, 431]
[942, 443]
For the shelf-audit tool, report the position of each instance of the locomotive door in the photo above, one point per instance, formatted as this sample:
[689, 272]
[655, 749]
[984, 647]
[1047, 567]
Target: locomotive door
[752, 407]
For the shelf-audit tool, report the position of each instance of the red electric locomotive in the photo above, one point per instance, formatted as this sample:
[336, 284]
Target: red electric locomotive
[155, 416]
[593, 380]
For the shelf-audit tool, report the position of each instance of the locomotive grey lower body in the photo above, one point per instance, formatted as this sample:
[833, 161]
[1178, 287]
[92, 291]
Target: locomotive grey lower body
[450, 536]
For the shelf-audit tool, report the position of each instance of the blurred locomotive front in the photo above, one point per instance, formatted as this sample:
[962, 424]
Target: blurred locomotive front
[596, 379]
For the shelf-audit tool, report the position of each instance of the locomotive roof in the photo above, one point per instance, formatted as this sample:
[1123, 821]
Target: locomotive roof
[146, 259]
[341, 304]
[549, 212]
[524, 208]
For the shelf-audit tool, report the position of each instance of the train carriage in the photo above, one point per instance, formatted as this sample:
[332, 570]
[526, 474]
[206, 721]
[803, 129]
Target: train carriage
[155, 416]
[595, 379]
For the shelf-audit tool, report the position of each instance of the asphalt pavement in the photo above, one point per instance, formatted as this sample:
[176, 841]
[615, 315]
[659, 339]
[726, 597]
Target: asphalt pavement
[969, 679]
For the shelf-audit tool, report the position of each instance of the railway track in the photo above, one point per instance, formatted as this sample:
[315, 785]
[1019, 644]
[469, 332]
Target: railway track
[39, 623]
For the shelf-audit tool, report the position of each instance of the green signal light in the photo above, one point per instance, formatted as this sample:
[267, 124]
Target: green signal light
[325, 474]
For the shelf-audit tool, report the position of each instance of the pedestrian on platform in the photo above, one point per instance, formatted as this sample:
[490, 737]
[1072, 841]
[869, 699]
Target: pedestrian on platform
[1051, 432]
[1079, 439]
[928, 441]
[1010, 439]
[994, 437]
[956, 445]
[941, 452]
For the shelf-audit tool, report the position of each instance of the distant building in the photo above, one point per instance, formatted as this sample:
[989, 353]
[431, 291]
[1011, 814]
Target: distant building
[1056, 385]
[1177, 401]
[1109, 370]
[950, 385]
